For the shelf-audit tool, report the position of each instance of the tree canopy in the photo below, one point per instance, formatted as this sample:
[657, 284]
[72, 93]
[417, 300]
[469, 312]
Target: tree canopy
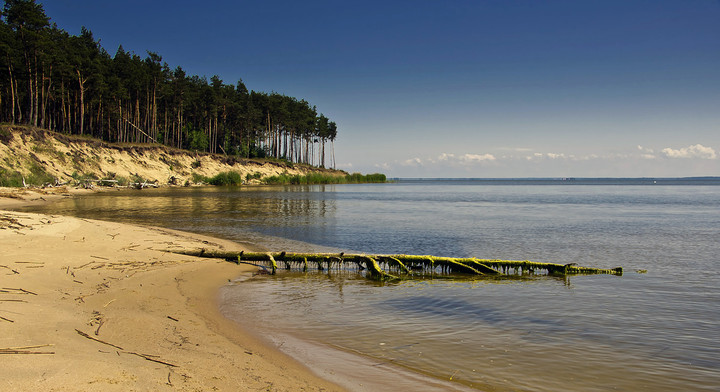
[71, 84]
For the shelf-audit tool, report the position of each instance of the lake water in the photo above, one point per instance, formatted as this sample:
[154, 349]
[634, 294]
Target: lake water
[653, 331]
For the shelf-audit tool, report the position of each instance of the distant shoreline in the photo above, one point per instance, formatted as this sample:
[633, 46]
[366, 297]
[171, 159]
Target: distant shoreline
[706, 180]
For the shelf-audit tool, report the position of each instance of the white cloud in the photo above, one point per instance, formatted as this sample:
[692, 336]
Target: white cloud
[696, 151]
[412, 162]
[550, 155]
[476, 157]
[465, 159]
[445, 157]
[646, 153]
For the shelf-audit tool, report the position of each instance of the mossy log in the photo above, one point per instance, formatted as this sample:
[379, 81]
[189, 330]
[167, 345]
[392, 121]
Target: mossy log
[403, 264]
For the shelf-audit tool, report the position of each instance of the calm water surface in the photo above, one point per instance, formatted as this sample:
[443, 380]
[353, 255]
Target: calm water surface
[654, 331]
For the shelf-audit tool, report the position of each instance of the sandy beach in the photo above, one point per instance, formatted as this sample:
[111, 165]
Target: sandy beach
[89, 305]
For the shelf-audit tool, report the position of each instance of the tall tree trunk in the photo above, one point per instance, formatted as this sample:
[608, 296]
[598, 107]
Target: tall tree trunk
[36, 98]
[333, 153]
[12, 91]
[136, 118]
[81, 84]
[322, 154]
[154, 127]
[19, 107]
[31, 94]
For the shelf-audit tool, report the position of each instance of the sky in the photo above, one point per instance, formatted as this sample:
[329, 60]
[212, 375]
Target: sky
[454, 88]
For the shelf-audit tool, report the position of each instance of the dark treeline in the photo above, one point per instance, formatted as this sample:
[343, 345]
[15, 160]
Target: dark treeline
[70, 84]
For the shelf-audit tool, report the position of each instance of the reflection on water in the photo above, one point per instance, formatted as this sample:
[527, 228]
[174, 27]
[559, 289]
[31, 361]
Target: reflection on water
[264, 216]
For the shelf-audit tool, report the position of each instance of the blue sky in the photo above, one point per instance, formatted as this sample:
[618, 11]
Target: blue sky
[498, 88]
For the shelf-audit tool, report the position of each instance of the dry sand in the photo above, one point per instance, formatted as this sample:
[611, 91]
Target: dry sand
[89, 305]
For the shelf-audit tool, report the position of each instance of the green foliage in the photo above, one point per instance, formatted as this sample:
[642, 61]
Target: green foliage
[199, 179]
[5, 135]
[10, 178]
[137, 179]
[198, 140]
[319, 178]
[357, 178]
[254, 176]
[38, 176]
[80, 178]
[196, 163]
[121, 181]
[226, 178]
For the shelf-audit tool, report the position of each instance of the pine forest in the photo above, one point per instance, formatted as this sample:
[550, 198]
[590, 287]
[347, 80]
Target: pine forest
[70, 84]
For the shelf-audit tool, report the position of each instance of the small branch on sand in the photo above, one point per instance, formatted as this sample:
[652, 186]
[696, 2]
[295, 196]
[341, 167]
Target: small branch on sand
[18, 291]
[5, 266]
[24, 350]
[172, 318]
[4, 351]
[83, 334]
[144, 356]
[6, 319]
[149, 358]
[97, 331]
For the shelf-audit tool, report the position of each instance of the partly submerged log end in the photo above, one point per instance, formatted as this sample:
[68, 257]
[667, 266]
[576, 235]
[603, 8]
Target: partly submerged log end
[405, 265]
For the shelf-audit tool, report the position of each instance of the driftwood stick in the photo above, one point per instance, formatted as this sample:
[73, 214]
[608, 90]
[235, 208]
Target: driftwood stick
[97, 331]
[20, 290]
[150, 358]
[5, 266]
[27, 347]
[83, 334]
[3, 351]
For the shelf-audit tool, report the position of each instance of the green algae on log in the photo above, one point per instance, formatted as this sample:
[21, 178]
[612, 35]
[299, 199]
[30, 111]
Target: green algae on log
[403, 266]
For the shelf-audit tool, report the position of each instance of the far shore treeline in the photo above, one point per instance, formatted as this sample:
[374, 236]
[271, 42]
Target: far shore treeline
[70, 84]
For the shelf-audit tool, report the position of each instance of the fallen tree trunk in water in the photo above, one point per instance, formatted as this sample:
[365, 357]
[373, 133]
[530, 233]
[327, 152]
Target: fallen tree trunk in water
[405, 265]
